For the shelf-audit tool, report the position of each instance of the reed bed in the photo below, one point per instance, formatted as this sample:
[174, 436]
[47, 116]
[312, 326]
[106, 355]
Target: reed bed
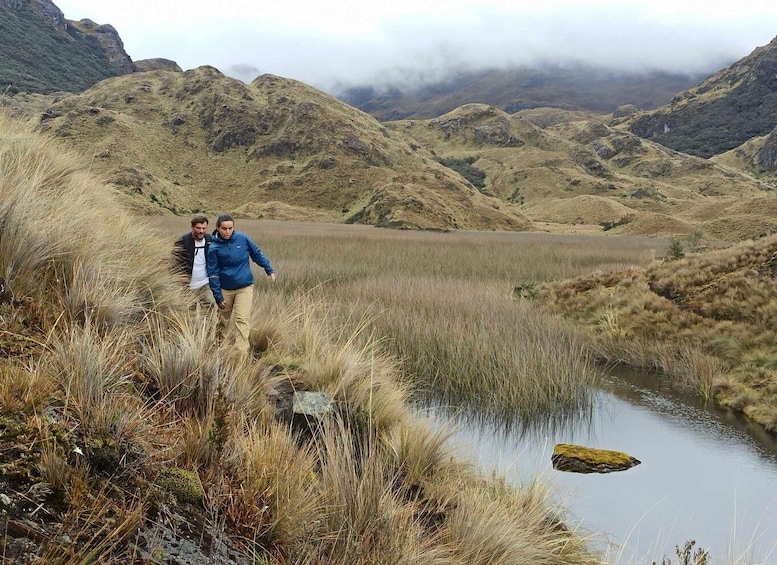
[447, 305]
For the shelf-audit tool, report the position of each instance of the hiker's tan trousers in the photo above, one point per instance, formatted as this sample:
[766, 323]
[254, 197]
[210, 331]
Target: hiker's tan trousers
[234, 318]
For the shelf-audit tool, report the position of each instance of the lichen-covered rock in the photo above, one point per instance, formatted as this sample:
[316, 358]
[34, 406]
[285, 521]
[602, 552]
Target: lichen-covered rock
[316, 405]
[580, 459]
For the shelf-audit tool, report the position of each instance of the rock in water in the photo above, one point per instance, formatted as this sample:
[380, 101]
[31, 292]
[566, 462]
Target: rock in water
[579, 459]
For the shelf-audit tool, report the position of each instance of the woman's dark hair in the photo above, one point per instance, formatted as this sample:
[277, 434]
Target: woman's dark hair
[224, 218]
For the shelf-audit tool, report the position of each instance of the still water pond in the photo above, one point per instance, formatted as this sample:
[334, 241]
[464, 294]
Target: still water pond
[705, 475]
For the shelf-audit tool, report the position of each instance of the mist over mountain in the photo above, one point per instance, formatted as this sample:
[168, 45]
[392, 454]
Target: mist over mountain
[570, 87]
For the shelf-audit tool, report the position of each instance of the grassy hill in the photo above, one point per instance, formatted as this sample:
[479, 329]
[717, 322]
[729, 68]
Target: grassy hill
[721, 113]
[705, 322]
[278, 149]
[577, 173]
[756, 157]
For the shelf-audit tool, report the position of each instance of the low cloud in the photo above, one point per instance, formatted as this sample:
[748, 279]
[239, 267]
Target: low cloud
[243, 72]
[405, 54]
[404, 44]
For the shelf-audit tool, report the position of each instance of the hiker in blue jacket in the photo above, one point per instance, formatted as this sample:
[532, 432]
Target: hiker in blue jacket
[231, 279]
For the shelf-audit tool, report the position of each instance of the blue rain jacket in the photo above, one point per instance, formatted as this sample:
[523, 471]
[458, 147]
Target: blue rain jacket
[229, 266]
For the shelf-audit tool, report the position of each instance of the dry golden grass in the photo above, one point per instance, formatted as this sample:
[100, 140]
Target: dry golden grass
[444, 305]
[270, 489]
[53, 249]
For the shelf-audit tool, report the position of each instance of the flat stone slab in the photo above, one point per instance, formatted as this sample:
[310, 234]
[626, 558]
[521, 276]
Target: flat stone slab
[311, 404]
[580, 459]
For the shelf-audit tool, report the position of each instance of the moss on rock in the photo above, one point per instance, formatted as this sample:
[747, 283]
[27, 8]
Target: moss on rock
[580, 459]
[185, 485]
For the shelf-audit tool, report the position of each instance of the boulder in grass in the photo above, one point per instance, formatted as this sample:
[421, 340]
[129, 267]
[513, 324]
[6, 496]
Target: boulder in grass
[579, 459]
[309, 412]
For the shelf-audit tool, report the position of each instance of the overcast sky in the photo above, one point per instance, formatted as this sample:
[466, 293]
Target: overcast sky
[400, 42]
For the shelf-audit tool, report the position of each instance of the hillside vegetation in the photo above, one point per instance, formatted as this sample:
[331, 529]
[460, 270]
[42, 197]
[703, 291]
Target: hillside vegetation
[570, 172]
[706, 322]
[721, 113]
[43, 52]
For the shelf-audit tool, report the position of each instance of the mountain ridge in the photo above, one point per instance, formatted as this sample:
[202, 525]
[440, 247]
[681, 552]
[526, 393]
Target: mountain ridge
[186, 142]
[724, 111]
[166, 140]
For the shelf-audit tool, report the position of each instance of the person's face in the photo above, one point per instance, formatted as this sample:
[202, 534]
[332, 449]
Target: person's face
[198, 230]
[226, 229]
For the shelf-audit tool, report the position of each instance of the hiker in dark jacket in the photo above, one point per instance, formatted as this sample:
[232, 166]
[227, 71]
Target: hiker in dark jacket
[191, 255]
[231, 279]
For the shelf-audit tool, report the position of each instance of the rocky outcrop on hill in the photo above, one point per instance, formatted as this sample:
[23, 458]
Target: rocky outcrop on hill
[767, 154]
[107, 38]
[69, 56]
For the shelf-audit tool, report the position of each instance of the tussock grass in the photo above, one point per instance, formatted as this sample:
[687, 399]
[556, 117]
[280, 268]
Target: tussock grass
[70, 246]
[23, 388]
[366, 514]
[444, 305]
[95, 381]
[472, 345]
[270, 489]
[494, 507]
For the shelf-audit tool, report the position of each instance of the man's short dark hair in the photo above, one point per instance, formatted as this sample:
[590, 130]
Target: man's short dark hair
[199, 220]
[224, 218]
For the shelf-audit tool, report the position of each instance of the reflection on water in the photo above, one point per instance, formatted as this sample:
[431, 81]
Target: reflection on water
[705, 474]
[561, 421]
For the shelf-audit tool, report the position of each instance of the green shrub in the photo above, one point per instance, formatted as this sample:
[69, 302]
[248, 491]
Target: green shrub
[675, 249]
[464, 167]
